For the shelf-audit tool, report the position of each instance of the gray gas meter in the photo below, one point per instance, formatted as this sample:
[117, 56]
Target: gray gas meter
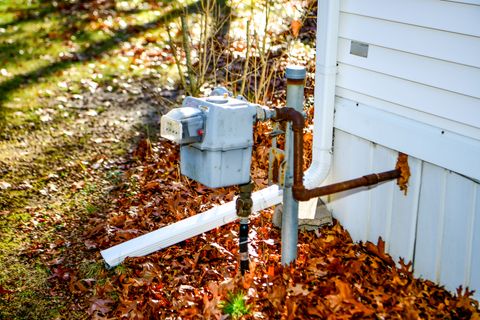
[215, 136]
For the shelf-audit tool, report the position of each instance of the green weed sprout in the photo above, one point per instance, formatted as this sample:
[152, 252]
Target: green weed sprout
[235, 305]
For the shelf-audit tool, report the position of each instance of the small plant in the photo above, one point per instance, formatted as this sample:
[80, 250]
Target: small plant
[235, 305]
[115, 176]
[91, 269]
[89, 188]
[198, 52]
[120, 269]
[90, 208]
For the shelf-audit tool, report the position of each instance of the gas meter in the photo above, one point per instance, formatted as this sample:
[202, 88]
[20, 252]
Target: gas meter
[215, 136]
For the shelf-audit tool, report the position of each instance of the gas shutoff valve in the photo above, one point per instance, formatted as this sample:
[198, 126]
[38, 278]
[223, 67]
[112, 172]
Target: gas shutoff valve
[215, 136]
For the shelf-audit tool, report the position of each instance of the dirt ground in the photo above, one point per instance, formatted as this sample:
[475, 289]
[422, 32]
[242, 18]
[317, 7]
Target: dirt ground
[57, 177]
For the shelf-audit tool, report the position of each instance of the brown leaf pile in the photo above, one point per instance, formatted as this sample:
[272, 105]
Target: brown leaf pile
[333, 278]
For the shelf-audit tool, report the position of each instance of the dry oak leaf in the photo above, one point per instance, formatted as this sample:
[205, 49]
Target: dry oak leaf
[379, 251]
[297, 290]
[277, 297]
[345, 296]
[100, 305]
[296, 25]
[402, 165]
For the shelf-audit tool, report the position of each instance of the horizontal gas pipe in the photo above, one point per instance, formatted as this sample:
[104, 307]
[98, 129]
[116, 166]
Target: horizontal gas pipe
[300, 193]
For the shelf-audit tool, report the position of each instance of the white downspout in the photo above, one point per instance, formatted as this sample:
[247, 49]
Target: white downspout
[324, 95]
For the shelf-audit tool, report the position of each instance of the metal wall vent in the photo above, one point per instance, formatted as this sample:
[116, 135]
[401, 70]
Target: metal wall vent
[359, 49]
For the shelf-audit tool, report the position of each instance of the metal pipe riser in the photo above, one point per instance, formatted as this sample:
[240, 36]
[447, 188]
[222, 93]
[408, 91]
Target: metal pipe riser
[295, 100]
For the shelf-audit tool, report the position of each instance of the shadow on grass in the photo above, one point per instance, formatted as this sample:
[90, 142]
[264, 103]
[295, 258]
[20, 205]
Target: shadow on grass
[29, 15]
[88, 54]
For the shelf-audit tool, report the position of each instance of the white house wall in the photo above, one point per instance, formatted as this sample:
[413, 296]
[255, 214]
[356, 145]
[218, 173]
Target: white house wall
[449, 214]
[413, 12]
[382, 211]
[421, 66]
[418, 139]
[433, 225]
[476, 2]
[462, 79]
[417, 91]
[438, 44]
[421, 97]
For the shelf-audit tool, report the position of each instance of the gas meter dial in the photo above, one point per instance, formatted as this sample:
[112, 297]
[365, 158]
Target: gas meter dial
[183, 125]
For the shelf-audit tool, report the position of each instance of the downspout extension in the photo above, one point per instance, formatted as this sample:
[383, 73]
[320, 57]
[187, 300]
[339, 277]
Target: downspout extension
[300, 193]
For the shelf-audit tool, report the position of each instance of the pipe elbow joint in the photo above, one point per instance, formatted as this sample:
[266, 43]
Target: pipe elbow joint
[290, 114]
[300, 193]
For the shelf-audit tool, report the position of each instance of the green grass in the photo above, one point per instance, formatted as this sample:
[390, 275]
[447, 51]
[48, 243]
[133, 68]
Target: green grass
[235, 305]
[90, 208]
[91, 270]
[45, 54]
[120, 269]
[30, 299]
[48, 56]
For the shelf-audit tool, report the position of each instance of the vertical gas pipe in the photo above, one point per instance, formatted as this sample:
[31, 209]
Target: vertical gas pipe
[244, 209]
[295, 93]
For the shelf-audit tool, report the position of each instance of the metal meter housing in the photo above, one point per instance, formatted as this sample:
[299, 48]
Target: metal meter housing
[221, 157]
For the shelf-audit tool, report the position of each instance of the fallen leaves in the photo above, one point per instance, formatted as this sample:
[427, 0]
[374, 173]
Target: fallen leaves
[4, 291]
[295, 27]
[333, 278]
[402, 165]
[379, 251]
[5, 185]
[100, 307]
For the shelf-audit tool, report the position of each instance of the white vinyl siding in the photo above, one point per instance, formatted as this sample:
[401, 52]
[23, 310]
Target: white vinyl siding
[431, 14]
[409, 113]
[429, 143]
[461, 79]
[422, 41]
[475, 2]
[423, 60]
[417, 91]
[421, 97]
[435, 225]
[384, 210]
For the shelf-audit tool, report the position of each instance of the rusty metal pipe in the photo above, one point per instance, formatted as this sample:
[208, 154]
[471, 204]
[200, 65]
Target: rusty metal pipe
[299, 191]
[302, 194]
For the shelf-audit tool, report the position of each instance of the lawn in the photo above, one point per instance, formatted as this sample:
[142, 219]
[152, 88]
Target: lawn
[67, 100]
